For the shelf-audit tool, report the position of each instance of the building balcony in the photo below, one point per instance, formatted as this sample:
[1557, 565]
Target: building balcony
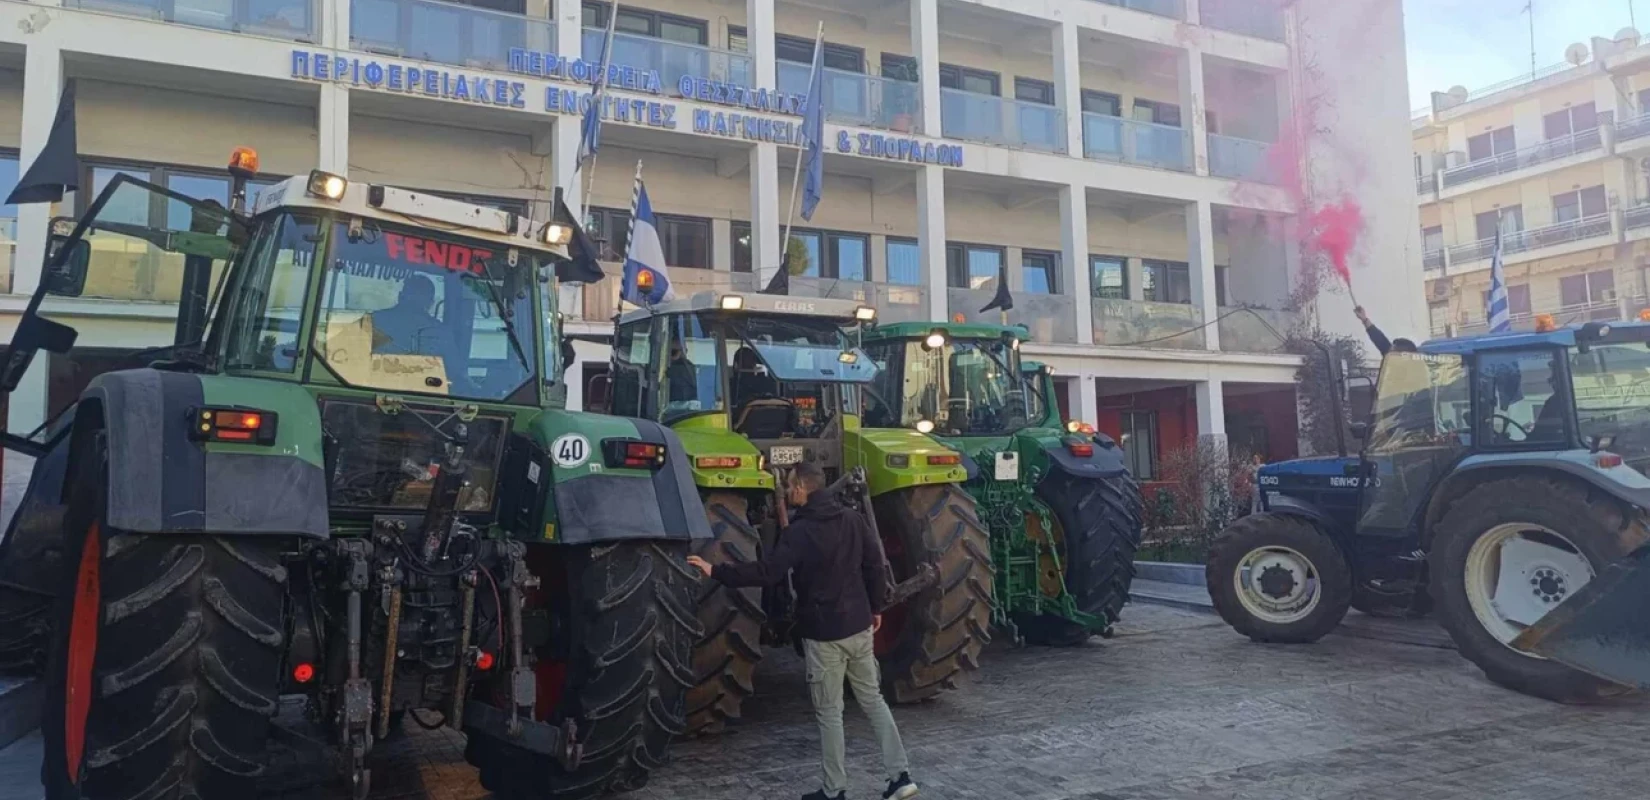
[1596, 311]
[893, 303]
[989, 119]
[1255, 330]
[297, 20]
[852, 98]
[1242, 159]
[1433, 260]
[1249, 17]
[1426, 184]
[1173, 9]
[1147, 144]
[1550, 150]
[1631, 129]
[1573, 230]
[1051, 318]
[1142, 323]
[445, 33]
[1636, 217]
[671, 59]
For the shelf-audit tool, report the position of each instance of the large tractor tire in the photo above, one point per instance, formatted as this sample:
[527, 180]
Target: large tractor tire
[929, 641]
[166, 661]
[1509, 551]
[625, 685]
[725, 658]
[1099, 530]
[1278, 578]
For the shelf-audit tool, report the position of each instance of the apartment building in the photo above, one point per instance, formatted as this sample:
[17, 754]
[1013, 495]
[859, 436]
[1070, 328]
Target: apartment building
[1558, 159]
[1125, 163]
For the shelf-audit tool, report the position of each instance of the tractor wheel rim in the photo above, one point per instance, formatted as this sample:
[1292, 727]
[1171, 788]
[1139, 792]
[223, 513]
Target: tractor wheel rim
[1517, 572]
[1277, 584]
[77, 682]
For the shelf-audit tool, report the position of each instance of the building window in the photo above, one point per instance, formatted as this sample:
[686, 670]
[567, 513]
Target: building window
[741, 235]
[1575, 119]
[1104, 103]
[1511, 218]
[8, 220]
[801, 51]
[970, 80]
[1432, 239]
[1140, 443]
[610, 227]
[1518, 299]
[973, 266]
[1040, 271]
[904, 262]
[1438, 315]
[1166, 281]
[1498, 142]
[1580, 203]
[686, 240]
[900, 68]
[1157, 113]
[652, 24]
[1587, 288]
[738, 39]
[1109, 277]
[1032, 90]
[833, 254]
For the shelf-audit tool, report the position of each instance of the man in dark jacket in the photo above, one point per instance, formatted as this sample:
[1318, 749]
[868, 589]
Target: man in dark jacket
[1378, 338]
[840, 584]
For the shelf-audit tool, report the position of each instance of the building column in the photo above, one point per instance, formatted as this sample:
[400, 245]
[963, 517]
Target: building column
[1068, 84]
[759, 37]
[332, 129]
[925, 46]
[1134, 277]
[335, 24]
[931, 238]
[1192, 107]
[1086, 405]
[1200, 240]
[1074, 254]
[42, 87]
[766, 249]
[1194, 11]
[1211, 412]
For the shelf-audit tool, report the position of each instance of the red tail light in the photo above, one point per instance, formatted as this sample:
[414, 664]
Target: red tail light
[1083, 449]
[944, 461]
[303, 673]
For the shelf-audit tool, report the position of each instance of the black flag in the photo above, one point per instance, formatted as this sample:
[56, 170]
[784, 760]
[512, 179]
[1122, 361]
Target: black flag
[582, 251]
[57, 168]
[1002, 299]
[781, 281]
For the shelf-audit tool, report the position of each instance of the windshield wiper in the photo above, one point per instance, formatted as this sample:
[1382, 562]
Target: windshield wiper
[504, 314]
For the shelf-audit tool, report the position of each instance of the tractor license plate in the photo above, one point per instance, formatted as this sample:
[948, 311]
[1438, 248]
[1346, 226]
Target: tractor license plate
[1008, 467]
[785, 456]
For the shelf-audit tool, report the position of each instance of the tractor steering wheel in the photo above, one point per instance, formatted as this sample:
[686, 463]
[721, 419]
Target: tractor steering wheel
[1524, 433]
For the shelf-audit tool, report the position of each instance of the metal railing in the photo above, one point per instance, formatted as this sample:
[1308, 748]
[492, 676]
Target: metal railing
[1550, 150]
[1243, 159]
[1636, 217]
[1171, 326]
[893, 303]
[1255, 330]
[1432, 260]
[1598, 311]
[1174, 9]
[1426, 184]
[1049, 317]
[671, 59]
[1249, 17]
[852, 98]
[987, 118]
[1519, 241]
[445, 33]
[1531, 77]
[297, 20]
[1634, 128]
[1119, 139]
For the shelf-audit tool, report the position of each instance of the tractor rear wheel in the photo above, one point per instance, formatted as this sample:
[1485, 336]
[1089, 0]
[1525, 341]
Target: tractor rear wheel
[166, 661]
[1277, 578]
[1099, 530]
[631, 630]
[930, 640]
[725, 658]
[1506, 554]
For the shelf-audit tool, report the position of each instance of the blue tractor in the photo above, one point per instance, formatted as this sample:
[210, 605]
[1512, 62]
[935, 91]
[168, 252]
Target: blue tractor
[1499, 474]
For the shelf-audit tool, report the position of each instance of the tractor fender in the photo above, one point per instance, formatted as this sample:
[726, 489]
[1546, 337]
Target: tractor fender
[1291, 506]
[1105, 462]
[1621, 481]
[34, 535]
[162, 481]
[595, 503]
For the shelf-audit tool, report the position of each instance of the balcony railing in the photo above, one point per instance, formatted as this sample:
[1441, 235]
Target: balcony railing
[1636, 217]
[671, 59]
[1596, 311]
[1171, 326]
[893, 303]
[1255, 18]
[1243, 159]
[1550, 150]
[987, 118]
[1573, 230]
[1174, 9]
[446, 33]
[1050, 317]
[1635, 128]
[282, 19]
[1148, 144]
[1255, 330]
[1520, 80]
[1425, 184]
[1432, 260]
[852, 98]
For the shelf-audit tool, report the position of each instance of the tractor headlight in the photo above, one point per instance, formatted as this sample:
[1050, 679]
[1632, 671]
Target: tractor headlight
[925, 426]
[865, 313]
[732, 302]
[557, 234]
[935, 340]
[327, 185]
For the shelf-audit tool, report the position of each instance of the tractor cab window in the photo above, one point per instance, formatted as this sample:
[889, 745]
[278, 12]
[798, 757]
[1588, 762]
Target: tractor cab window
[1611, 383]
[1519, 404]
[267, 309]
[785, 374]
[692, 368]
[970, 387]
[409, 311]
[1421, 426]
[632, 351]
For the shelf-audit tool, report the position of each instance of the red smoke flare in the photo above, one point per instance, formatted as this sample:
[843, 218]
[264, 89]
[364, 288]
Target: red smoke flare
[1333, 230]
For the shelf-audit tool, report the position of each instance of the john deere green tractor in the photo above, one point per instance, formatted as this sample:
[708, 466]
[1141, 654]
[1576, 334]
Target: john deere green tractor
[754, 383]
[1063, 511]
[350, 477]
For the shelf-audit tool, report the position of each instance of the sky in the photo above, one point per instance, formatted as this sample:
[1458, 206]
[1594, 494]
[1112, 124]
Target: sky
[1476, 43]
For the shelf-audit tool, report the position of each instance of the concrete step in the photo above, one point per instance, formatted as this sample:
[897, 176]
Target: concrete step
[1175, 594]
[1165, 572]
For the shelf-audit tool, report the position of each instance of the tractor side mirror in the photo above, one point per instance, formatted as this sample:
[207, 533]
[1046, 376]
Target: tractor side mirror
[64, 274]
[1360, 430]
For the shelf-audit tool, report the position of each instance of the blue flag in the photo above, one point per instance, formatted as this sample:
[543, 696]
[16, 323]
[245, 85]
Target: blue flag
[646, 281]
[590, 130]
[813, 132]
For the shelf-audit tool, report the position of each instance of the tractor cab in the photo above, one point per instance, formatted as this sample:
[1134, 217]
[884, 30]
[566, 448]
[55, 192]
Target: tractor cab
[962, 380]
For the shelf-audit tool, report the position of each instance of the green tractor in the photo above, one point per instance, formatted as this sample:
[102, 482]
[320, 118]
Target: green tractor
[754, 383]
[351, 479]
[1063, 511]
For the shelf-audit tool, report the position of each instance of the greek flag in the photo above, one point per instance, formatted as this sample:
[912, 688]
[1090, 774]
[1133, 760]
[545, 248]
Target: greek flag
[1499, 312]
[813, 129]
[645, 280]
[590, 130]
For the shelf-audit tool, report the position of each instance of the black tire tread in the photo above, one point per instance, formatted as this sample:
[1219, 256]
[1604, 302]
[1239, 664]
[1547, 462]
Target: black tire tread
[1101, 520]
[725, 658]
[1259, 530]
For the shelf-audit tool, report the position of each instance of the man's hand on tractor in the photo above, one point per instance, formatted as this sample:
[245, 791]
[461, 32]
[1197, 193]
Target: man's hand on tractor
[699, 564]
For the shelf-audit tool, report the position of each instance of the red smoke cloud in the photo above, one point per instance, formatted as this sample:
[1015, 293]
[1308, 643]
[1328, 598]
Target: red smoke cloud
[1334, 230]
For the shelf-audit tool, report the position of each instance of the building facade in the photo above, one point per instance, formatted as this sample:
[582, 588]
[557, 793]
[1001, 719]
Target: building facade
[1136, 168]
[1558, 159]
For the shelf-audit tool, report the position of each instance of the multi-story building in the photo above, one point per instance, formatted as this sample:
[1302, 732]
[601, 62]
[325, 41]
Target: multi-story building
[1128, 164]
[1558, 158]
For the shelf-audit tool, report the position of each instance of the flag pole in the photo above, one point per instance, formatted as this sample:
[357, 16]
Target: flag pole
[630, 235]
[796, 173]
[596, 97]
